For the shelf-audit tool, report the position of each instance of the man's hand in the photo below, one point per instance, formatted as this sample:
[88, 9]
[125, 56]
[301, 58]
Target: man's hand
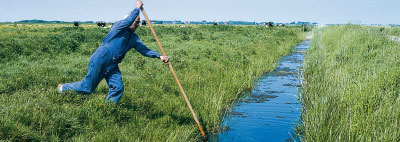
[164, 59]
[139, 4]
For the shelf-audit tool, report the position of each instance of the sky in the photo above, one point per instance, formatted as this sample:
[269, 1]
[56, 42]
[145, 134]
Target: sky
[284, 11]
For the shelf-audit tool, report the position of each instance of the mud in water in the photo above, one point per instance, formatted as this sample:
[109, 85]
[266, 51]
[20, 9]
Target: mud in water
[271, 110]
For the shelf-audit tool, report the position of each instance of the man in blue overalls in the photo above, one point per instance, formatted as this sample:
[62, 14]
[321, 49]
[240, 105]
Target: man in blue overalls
[104, 61]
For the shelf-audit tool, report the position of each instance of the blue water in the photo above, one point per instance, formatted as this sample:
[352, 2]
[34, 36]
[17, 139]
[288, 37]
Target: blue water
[271, 111]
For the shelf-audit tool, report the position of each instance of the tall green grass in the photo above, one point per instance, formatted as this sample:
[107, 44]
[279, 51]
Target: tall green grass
[213, 63]
[394, 31]
[351, 86]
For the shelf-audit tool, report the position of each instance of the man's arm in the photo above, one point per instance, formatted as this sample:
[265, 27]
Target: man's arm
[142, 49]
[125, 23]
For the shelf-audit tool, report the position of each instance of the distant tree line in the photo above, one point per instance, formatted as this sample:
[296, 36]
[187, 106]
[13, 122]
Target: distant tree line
[103, 24]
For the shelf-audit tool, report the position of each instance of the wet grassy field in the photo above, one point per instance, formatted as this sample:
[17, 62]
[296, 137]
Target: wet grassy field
[213, 63]
[351, 85]
[395, 31]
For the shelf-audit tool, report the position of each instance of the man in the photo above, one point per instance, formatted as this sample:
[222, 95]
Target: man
[104, 61]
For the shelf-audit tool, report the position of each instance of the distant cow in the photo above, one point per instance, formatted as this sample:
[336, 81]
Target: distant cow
[144, 23]
[269, 24]
[101, 24]
[215, 23]
[76, 24]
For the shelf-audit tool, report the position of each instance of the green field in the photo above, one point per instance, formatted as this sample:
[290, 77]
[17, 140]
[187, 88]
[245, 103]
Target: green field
[213, 63]
[351, 89]
[394, 31]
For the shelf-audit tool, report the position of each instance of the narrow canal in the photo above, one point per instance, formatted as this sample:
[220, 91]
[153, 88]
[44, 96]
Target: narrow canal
[271, 111]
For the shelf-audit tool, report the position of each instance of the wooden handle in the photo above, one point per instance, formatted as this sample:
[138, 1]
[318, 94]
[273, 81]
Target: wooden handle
[173, 73]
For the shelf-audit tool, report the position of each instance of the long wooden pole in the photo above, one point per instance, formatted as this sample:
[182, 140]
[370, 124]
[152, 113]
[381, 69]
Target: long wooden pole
[173, 73]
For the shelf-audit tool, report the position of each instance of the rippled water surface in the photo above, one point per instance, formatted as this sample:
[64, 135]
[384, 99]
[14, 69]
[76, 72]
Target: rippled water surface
[272, 110]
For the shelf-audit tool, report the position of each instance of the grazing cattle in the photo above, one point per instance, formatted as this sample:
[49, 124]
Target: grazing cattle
[76, 24]
[269, 24]
[144, 23]
[101, 24]
[215, 23]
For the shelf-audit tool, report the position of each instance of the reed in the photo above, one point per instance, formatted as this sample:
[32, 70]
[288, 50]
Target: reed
[351, 86]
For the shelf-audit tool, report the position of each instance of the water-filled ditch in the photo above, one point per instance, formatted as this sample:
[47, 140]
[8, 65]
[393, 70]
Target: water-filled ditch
[271, 111]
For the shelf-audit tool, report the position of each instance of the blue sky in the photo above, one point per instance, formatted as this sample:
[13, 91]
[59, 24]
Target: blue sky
[321, 11]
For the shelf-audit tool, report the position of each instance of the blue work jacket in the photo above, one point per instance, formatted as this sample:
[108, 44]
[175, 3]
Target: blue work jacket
[120, 39]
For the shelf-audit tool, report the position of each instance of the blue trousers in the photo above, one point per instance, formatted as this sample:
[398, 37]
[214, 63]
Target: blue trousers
[101, 66]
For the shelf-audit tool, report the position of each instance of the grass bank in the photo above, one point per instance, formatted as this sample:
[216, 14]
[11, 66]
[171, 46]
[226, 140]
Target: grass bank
[394, 31]
[213, 63]
[351, 86]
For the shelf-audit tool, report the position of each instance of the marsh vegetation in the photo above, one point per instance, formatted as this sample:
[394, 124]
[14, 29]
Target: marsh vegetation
[213, 63]
[351, 85]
